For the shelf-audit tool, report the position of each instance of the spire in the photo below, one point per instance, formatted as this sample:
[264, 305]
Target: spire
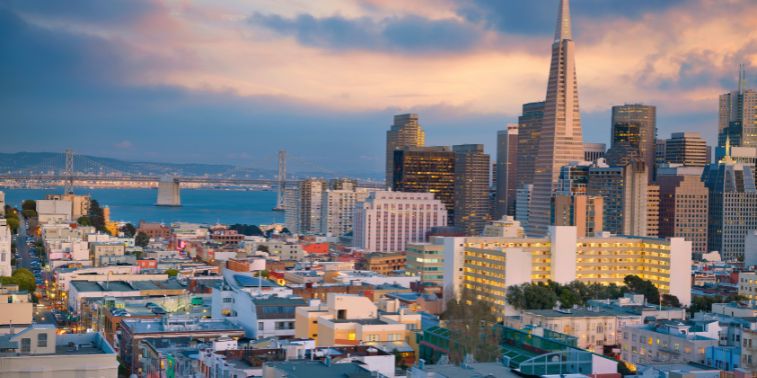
[742, 78]
[563, 29]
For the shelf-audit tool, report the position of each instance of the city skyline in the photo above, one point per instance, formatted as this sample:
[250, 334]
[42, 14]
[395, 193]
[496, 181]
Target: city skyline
[152, 81]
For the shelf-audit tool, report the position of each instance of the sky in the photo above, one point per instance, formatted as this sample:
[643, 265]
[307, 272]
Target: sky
[234, 81]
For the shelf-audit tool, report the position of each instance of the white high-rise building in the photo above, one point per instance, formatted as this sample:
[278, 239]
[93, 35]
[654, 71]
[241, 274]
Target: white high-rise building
[5, 249]
[338, 208]
[387, 221]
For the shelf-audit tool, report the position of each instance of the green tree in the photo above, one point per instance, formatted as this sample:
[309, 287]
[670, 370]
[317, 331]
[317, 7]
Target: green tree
[84, 221]
[670, 300]
[636, 284]
[13, 223]
[29, 213]
[29, 205]
[129, 230]
[471, 324]
[21, 277]
[172, 272]
[141, 240]
[96, 217]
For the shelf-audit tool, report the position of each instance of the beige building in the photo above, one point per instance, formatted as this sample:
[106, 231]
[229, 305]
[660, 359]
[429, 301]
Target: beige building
[79, 203]
[749, 347]
[338, 208]
[688, 149]
[54, 211]
[426, 261]
[748, 286]
[16, 309]
[6, 240]
[347, 319]
[584, 212]
[653, 210]
[98, 250]
[38, 352]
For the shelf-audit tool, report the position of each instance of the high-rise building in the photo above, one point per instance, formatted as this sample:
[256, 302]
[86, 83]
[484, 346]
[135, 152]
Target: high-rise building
[388, 221]
[507, 171]
[523, 203]
[560, 137]
[343, 184]
[653, 210]
[634, 131]
[472, 207]
[405, 132]
[626, 197]
[292, 209]
[578, 210]
[337, 209]
[311, 198]
[635, 199]
[683, 205]
[688, 149]
[659, 156]
[738, 116]
[594, 151]
[732, 206]
[529, 126]
[607, 182]
[427, 170]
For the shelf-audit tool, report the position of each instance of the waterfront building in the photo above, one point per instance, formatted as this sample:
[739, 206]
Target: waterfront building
[688, 149]
[427, 170]
[405, 132]
[79, 203]
[6, 255]
[387, 221]
[292, 209]
[38, 351]
[311, 199]
[594, 151]
[506, 168]
[634, 132]
[738, 116]
[732, 207]
[684, 201]
[338, 208]
[488, 266]
[472, 208]
[560, 137]
[529, 128]
[54, 211]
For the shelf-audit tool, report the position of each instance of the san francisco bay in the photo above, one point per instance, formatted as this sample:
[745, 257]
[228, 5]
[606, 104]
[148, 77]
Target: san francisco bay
[206, 206]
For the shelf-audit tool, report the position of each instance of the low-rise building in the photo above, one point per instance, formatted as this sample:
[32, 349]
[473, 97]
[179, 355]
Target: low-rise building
[384, 263]
[38, 351]
[16, 309]
[670, 341]
[426, 261]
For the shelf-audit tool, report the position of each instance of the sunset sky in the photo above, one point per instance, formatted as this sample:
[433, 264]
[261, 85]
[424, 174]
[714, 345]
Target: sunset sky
[233, 81]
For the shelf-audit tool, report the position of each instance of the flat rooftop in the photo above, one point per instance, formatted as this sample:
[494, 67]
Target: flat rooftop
[147, 326]
[318, 369]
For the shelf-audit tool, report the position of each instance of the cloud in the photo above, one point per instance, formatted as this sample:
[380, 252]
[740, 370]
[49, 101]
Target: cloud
[90, 11]
[405, 34]
[124, 144]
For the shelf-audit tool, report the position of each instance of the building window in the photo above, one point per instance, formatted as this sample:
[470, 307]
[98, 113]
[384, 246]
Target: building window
[228, 300]
[26, 345]
[261, 326]
[42, 340]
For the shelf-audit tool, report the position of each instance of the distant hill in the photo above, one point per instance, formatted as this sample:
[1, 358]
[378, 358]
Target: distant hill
[50, 162]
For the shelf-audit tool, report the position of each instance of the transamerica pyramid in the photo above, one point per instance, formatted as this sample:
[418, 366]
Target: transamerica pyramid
[561, 140]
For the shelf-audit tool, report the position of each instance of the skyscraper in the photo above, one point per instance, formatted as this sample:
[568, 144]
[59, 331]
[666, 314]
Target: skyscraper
[560, 136]
[426, 170]
[472, 210]
[683, 205]
[594, 151]
[529, 125]
[738, 116]
[686, 148]
[732, 206]
[507, 171]
[405, 132]
[311, 199]
[634, 131]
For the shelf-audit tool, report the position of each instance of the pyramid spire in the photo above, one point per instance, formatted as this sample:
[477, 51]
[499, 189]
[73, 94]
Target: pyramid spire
[563, 28]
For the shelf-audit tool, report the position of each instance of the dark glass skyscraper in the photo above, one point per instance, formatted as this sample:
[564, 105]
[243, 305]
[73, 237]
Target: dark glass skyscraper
[427, 170]
[634, 132]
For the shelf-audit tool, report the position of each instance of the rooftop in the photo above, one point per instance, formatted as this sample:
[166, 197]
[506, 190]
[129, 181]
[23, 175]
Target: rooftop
[247, 281]
[318, 369]
[175, 324]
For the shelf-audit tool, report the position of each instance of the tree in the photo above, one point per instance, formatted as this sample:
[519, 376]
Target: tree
[636, 284]
[670, 300]
[141, 240]
[21, 277]
[29, 213]
[247, 229]
[172, 272]
[29, 205]
[96, 217]
[129, 230]
[13, 223]
[84, 221]
[472, 330]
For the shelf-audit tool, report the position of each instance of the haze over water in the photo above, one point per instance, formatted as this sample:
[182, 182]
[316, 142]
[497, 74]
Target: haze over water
[198, 205]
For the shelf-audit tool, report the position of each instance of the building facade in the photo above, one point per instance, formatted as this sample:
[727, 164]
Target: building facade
[472, 205]
[338, 208]
[387, 221]
[594, 151]
[738, 116]
[427, 170]
[688, 149]
[405, 132]
[684, 201]
[506, 171]
[634, 132]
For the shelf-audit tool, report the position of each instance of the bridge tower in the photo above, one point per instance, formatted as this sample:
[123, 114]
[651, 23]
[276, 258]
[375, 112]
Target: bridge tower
[282, 181]
[68, 175]
[168, 192]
